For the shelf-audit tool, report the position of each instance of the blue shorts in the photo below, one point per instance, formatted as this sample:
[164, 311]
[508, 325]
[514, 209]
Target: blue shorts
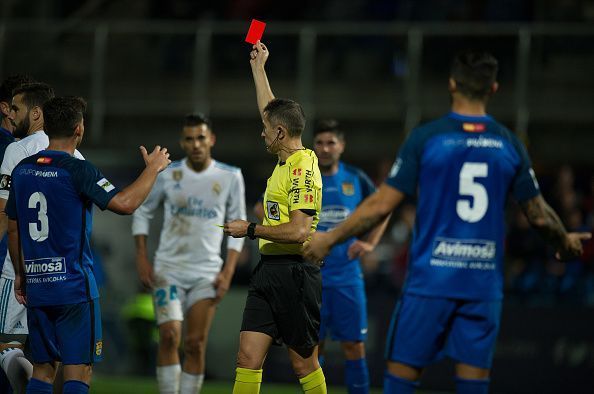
[425, 329]
[344, 313]
[67, 333]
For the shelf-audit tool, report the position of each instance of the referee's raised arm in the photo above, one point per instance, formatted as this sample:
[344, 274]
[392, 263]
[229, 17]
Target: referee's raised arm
[258, 57]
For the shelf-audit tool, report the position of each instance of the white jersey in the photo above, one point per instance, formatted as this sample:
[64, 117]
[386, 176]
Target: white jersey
[195, 203]
[14, 154]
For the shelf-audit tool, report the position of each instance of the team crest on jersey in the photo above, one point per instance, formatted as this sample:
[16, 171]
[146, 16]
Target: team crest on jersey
[273, 210]
[98, 348]
[348, 188]
[177, 176]
[105, 185]
[5, 182]
[216, 188]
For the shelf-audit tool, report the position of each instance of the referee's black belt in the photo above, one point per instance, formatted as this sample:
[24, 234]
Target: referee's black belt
[289, 258]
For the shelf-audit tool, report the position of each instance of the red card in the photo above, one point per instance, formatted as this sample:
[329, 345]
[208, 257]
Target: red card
[255, 32]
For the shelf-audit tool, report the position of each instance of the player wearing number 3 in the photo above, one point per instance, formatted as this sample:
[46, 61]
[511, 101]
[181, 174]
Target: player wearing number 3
[461, 167]
[49, 230]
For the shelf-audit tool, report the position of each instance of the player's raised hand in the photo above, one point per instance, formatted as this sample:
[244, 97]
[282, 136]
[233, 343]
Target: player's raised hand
[20, 292]
[158, 158]
[572, 247]
[317, 248]
[259, 54]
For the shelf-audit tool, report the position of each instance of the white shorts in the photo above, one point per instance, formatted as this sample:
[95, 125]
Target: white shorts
[172, 301]
[13, 316]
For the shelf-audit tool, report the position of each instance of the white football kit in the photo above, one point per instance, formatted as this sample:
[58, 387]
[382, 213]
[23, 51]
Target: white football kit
[188, 257]
[13, 316]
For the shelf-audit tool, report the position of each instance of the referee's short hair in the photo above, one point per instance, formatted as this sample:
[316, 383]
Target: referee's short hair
[287, 113]
[474, 73]
[62, 114]
[35, 94]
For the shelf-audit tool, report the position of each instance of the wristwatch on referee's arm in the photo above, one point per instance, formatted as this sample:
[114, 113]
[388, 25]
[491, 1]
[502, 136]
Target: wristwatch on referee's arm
[251, 231]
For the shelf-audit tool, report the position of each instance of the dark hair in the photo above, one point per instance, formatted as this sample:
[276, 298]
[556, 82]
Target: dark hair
[287, 113]
[329, 126]
[34, 93]
[11, 83]
[196, 119]
[474, 73]
[62, 114]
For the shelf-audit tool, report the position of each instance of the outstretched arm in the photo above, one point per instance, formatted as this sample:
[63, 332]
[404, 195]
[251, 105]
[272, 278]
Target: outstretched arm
[542, 217]
[258, 57]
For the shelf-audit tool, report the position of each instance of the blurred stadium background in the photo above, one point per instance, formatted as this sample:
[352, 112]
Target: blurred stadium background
[380, 67]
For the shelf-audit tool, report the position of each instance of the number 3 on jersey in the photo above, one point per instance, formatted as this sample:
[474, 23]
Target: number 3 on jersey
[36, 200]
[474, 212]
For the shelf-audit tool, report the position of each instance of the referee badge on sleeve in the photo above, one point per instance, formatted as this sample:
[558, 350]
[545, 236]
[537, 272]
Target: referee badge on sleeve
[272, 210]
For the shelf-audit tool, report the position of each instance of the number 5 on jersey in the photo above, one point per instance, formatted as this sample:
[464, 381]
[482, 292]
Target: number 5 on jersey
[468, 186]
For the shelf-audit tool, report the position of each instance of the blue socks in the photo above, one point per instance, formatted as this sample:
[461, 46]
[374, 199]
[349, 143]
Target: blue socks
[38, 387]
[357, 376]
[395, 385]
[75, 387]
[472, 386]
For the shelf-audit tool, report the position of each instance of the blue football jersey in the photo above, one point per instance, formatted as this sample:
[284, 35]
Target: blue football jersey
[341, 193]
[462, 169]
[51, 197]
[6, 139]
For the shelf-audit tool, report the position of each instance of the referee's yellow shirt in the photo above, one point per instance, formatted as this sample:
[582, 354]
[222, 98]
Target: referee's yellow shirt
[295, 184]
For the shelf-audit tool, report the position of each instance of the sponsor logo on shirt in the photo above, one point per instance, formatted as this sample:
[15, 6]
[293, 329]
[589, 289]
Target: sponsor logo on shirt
[464, 249]
[105, 185]
[348, 188]
[42, 174]
[45, 266]
[333, 214]
[308, 198]
[483, 142]
[297, 172]
[272, 210]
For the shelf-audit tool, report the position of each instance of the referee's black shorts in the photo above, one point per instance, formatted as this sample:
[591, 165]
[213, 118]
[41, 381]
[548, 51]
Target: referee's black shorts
[284, 300]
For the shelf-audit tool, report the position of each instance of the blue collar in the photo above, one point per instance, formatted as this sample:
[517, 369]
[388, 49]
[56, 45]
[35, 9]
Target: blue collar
[467, 118]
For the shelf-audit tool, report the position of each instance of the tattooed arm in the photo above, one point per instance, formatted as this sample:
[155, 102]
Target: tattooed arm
[542, 217]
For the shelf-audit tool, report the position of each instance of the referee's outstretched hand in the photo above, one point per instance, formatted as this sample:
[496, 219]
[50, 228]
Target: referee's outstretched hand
[158, 158]
[259, 54]
[572, 246]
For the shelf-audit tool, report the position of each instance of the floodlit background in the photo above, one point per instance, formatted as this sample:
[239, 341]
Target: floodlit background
[380, 67]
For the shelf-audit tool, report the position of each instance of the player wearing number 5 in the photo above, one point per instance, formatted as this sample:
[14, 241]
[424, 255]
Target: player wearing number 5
[461, 167]
[49, 229]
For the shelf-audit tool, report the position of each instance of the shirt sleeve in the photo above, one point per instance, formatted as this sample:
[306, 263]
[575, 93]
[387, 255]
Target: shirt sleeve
[367, 186]
[10, 207]
[143, 215]
[405, 170]
[12, 156]
[303, 192]
[524, 186]
[92, 184]
[236, 208]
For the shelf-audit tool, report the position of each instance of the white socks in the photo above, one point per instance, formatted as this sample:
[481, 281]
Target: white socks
[17, 368]
[191, 384]
[168, 377]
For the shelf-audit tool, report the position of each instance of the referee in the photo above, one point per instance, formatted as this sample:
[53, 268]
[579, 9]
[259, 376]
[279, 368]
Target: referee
[285, 294]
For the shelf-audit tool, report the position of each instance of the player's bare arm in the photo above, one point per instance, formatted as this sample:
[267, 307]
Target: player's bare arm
[17, 261]
[258, 57]
[363, 246]
[372, 211]
[223, 280]
[295, 231]
[542, 217]
[143, 265]
[126, 201]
